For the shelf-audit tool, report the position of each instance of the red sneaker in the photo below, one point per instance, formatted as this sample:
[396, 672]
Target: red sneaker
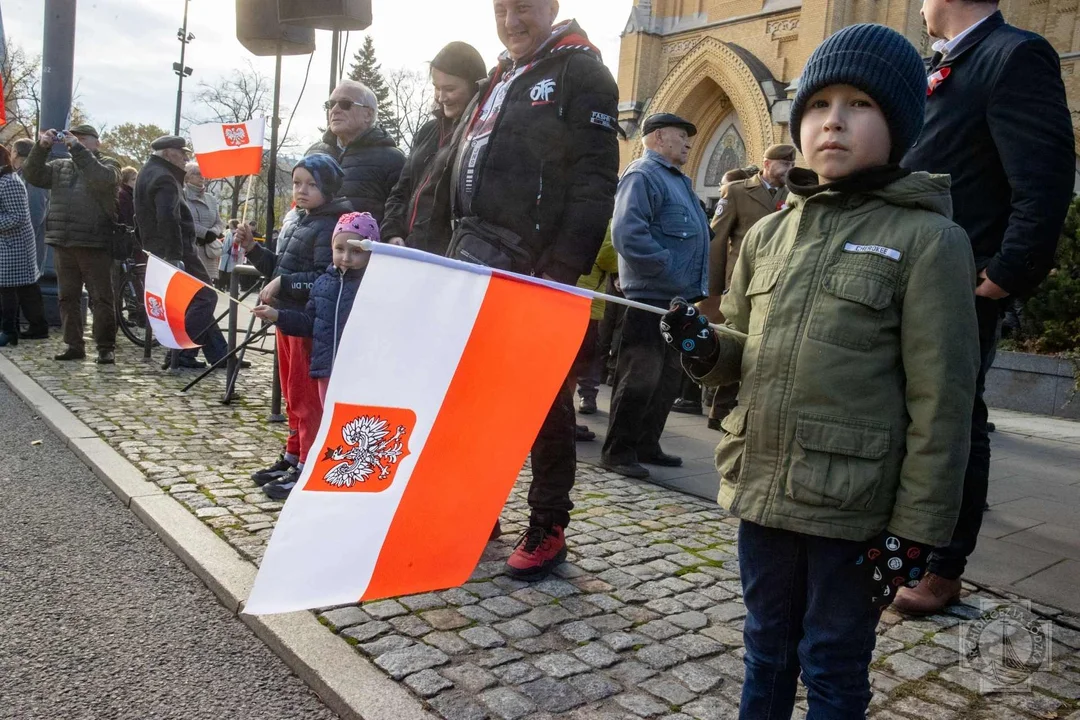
[537, 553]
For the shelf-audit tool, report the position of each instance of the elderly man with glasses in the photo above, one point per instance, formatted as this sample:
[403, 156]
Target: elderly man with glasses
[368, 155]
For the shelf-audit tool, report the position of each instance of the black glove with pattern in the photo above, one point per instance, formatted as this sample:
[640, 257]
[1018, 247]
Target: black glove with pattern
[688, 331]
[892, 562]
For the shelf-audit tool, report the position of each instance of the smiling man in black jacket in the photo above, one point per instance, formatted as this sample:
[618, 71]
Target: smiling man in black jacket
[998, 122]
[533, 189]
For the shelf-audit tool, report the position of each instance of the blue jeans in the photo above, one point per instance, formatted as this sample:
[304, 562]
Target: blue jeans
[808, 608]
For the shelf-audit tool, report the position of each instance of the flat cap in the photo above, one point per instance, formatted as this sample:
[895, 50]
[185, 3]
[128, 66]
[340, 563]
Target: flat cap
[84, 130]
[663, 120]
[169, 142]
[780, 152]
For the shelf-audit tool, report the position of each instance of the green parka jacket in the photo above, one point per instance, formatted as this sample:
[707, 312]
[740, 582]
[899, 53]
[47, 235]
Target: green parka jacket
[858, 375]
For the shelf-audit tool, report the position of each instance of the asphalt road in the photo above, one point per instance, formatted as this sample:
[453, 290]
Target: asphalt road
[99, 620]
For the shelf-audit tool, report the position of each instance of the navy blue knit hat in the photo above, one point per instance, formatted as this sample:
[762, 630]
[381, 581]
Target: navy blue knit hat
[327, 173]
[880, 62]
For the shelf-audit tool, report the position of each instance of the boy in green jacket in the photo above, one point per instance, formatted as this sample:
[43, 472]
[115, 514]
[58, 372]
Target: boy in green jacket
[845, 456]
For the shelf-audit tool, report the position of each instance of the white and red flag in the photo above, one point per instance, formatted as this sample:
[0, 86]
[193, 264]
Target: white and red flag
[229, 149]
[408, 472]
[168, 294]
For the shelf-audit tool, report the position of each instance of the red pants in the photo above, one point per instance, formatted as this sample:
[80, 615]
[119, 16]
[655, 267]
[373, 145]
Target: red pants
[301, 393]
[324, 383]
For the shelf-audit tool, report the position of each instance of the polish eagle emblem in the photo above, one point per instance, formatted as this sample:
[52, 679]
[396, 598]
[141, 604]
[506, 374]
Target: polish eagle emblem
[368, 450]
[154, 307]
[235, 135]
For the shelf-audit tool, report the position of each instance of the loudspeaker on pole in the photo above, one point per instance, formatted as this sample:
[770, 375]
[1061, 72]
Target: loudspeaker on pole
[343, 15]
[259, 29]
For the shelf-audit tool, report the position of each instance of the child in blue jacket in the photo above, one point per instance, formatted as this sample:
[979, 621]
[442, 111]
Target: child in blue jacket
[331, 298]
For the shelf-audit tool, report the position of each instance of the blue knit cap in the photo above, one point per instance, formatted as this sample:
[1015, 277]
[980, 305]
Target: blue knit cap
[880, 62]
[326, 171]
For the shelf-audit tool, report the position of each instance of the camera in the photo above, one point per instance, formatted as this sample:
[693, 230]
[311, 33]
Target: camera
[61, 136]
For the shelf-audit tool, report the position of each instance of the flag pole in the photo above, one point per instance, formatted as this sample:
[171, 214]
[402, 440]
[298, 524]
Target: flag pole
[247, 199]
[592, 294]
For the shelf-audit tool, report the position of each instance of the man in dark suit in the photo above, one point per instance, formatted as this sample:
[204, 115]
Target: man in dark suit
[998, 122]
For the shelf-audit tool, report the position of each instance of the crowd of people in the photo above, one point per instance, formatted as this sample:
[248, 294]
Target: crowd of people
[840, 316]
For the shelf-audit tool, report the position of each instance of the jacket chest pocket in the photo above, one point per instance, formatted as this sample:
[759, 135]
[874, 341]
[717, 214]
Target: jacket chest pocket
[759, 293]
[851, 308]
[837, 462]
[729, 453]
[676, 225]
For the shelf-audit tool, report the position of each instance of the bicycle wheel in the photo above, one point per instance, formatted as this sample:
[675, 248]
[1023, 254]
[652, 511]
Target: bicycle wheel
[130, 311]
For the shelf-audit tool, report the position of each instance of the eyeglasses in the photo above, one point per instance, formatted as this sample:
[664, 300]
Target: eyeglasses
[345, 105]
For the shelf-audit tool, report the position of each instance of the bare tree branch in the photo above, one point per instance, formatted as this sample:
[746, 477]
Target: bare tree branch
[413, 100]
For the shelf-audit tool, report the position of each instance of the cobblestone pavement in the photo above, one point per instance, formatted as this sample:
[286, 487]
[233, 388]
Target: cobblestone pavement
[644, 620]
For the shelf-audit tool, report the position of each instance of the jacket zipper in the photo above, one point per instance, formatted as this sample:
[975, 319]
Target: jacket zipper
[337, 314]
[443, 137]
[539, 196]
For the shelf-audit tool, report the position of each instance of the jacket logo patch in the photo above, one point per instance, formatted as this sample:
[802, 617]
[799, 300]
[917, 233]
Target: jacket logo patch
[235, 135]
[885, 252]
[542, 91]
[603, 120]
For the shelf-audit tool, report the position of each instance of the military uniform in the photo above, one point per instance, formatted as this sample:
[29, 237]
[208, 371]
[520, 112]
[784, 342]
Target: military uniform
[747, 202]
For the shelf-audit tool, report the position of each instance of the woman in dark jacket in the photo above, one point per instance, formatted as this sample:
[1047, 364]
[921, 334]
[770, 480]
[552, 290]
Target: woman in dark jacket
[455, 74]
[19, 271]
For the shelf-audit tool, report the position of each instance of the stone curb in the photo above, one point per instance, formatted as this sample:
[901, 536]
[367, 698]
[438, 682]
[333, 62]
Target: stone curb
[350, 685]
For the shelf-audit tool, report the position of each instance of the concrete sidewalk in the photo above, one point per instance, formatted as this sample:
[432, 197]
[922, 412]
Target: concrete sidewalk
[643, 620]
[1030, 540]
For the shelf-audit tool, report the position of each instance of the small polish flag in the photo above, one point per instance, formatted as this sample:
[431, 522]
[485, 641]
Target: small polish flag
[168, 294]
[229, 149]
[408, 473]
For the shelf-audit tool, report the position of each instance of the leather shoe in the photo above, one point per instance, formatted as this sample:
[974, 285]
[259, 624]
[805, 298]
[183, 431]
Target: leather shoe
[106, 357]
[496, 532]
[687, 407]
[587, 406]
[630, 469]
[190, 364]
[663, 460]
[584, 434]
[931, 596]
[714, 424]
[71, 354]
[37, 335]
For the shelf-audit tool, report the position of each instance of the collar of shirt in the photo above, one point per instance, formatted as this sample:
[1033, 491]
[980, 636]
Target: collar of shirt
[947, 46]
[765, 183]
[653, 155]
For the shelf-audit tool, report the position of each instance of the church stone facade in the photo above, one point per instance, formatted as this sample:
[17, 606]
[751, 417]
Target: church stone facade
[730, 66]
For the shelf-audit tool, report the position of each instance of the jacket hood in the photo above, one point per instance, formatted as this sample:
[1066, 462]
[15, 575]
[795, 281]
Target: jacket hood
[375, 137]
[917, 190]
[566, 36]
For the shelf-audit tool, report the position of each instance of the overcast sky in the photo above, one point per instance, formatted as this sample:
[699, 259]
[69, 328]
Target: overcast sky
[124, 49]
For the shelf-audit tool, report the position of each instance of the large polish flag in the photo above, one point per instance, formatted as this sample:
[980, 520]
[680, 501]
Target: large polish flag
[408, 473]
[229, 149]
[167, 295]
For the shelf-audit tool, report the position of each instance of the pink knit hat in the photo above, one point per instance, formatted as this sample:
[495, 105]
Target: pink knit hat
[362, 224]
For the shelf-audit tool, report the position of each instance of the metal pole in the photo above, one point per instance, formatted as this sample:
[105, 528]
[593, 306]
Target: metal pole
[57, 65]
[271, 173]
[234, 316]
[335, 48]
[180, 84]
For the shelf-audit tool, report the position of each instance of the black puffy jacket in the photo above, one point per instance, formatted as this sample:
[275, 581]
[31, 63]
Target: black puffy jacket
[82, 207]
[162, 216]
[551, 165]
[409, 207]
[324, 317]
[304, 250]
[372, 165]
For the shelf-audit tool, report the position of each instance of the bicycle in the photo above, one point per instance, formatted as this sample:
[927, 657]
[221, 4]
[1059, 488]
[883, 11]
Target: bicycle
[130, 305]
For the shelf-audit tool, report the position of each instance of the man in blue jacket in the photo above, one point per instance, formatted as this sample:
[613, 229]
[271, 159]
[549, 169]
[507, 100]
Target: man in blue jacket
[998, 122]
[661, 234]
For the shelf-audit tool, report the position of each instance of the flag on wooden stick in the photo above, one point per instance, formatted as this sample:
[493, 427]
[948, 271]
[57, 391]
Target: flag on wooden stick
[229, 149]
[408, 473]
